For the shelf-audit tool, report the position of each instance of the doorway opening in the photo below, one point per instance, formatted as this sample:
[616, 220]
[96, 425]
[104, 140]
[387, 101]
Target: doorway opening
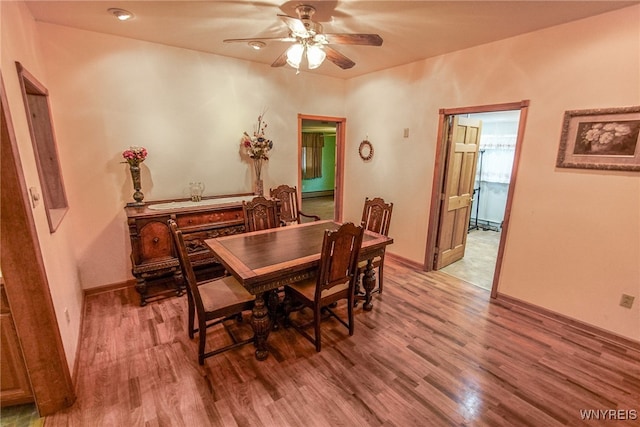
[489, 197]
[474, 178]
[320, 163]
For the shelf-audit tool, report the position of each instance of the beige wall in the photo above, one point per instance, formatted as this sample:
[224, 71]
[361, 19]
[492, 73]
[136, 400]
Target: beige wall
[574, 239]
[187, 108]
[573, 245]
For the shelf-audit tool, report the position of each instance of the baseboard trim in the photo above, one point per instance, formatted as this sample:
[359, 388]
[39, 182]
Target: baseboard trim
[107, 288]
[405, 262]
[312, 194]
[76, 361]
[510, 302]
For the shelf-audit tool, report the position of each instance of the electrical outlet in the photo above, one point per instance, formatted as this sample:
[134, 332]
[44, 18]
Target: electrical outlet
[406, 132]
[626, 301]
[66, 314]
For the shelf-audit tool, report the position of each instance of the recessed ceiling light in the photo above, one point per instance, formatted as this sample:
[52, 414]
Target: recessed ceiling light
[257, 45]
[121, 14]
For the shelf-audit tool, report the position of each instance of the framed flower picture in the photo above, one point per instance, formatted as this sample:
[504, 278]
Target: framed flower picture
[606, 139]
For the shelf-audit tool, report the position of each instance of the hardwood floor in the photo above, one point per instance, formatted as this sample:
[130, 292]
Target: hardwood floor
[433, 352]
[321, 206]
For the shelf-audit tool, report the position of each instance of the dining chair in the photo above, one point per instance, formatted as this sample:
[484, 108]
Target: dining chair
[214, 301]
[334, 281]
[376, 217]
[260, 214]
[289, 211]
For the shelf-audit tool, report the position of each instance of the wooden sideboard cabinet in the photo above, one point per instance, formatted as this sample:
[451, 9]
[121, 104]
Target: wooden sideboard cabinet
[153, 258]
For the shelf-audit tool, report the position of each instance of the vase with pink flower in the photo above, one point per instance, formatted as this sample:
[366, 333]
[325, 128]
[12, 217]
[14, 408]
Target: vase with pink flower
[257, 148]
[134, 156]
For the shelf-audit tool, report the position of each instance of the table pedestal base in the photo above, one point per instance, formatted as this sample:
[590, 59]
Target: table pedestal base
[261, 325]
[368, 283]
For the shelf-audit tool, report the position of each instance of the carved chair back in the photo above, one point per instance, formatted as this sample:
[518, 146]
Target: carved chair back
[289, 210]
[376, 215]
[339, 259]
[260, 214]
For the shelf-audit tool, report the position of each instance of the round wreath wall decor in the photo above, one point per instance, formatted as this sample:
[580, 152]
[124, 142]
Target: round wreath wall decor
[365, 150]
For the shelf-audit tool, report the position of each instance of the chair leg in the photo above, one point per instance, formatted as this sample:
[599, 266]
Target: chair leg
[192, 312]
[316, 326]
[350, 305]
[380, 276]
[202, 335]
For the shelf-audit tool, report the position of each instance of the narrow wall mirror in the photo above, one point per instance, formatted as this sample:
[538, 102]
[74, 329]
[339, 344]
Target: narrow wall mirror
[36, 103]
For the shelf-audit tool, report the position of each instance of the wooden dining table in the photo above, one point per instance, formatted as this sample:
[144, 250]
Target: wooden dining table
[265, 260]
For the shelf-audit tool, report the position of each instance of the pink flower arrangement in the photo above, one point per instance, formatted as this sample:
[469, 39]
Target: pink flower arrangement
[258, 146]
[135, 155]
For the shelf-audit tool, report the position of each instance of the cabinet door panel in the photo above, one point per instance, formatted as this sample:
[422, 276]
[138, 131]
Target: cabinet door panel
[14, 379]
[155, 241]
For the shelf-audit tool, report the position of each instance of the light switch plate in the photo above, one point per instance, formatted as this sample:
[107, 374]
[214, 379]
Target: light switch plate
[626, 301]
[35, 196]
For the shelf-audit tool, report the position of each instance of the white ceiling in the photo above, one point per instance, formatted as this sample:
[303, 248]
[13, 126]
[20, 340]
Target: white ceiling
[411, 30]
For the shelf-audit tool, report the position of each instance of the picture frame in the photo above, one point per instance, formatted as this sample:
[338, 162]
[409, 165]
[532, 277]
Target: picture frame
[606, 139]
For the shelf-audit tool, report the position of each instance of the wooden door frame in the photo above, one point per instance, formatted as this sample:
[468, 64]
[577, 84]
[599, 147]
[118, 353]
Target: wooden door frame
[441, 159]
[26, 284]
[341, 124]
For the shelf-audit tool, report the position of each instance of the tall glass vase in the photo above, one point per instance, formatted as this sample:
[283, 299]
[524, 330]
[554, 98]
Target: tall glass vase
[259, 189]
[134, 168]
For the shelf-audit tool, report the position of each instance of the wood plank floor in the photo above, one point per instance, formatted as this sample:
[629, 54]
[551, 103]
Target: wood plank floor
[433, 352]
[321, 206]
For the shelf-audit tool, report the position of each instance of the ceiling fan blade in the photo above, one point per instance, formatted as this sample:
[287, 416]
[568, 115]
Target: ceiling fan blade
[359, 39]
[337, 58]
[280, 60]
[296, 26]
[266, 39]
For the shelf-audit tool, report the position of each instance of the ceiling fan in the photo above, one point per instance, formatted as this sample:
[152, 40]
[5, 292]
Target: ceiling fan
[307, 37]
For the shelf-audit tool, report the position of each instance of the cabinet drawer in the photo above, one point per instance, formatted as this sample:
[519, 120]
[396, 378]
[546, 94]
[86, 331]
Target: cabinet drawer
[203, 218]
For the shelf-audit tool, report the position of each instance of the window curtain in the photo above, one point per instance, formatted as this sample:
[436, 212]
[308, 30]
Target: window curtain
[312, 144]
[498, 144]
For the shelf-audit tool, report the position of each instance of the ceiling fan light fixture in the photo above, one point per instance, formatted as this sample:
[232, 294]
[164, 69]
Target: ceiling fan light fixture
[294, 55]
[315, 56]
[121, 14]
[310, 42]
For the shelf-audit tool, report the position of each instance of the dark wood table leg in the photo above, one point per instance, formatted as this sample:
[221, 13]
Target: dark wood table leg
[368, 282]
[273, 302]
[261, 325]
[357, 292]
